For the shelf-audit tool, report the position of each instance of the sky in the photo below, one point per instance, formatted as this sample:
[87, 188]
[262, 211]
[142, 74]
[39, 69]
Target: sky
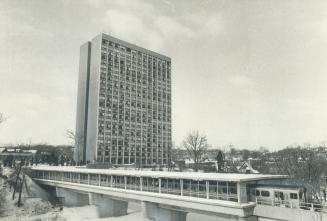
[245, 72]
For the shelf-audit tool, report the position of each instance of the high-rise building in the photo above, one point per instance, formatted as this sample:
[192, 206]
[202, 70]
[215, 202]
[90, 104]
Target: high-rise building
[124, 104]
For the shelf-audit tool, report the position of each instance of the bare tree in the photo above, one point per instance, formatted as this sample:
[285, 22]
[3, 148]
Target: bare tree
[303, 164]
[70, 135]
[2, 118]
[78, 142]
[196, 146]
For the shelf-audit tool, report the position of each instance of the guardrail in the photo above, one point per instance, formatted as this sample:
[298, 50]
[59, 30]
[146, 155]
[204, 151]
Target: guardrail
[294, 205]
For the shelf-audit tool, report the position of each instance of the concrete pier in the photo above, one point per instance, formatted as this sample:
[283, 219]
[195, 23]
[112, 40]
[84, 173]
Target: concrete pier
[108, 207]
[154, 212]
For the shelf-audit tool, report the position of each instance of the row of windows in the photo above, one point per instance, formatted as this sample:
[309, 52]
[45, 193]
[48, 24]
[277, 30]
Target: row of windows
[131, 160]
[116, 49]
[130, 76]
[200, 189]
[265, 193]
[130, 81]
[131, 72]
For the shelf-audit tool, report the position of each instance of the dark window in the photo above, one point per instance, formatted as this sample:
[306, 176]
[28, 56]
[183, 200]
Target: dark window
[265, 193]
[293, 195]
[257, 193]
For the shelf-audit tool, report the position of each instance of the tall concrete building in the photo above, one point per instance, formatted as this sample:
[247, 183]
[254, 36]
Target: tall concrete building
[124, 104]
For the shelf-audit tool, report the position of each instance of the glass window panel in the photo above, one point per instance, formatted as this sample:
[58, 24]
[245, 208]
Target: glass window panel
[213, 189]
[202, 189]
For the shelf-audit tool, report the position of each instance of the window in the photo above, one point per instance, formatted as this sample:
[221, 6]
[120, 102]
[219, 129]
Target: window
[265, 193]
[257, 193]
[293, 195]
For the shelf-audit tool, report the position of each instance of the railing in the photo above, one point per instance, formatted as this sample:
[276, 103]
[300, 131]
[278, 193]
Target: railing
[314, 207]
[294, 205]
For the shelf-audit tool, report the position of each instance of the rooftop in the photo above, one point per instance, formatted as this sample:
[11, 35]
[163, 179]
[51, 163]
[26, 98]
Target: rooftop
[135, 47]
[236, 177]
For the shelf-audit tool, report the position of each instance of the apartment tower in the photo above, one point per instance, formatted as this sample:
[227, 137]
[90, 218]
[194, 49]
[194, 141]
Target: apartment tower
[123, 104]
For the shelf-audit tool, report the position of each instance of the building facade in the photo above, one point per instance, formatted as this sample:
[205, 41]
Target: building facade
[124, 104]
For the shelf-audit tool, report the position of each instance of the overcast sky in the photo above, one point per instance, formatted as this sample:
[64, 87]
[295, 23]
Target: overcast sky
[248, 72]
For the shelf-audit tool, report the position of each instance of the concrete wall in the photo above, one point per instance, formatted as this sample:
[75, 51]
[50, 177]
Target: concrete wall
[44, 192]
[92, 118]
[82, 102]
[71, 198]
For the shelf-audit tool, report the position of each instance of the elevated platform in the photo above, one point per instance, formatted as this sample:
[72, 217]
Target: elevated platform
[173, 193]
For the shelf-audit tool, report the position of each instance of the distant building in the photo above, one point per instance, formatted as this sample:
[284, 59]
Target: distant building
[9, 154]
[124, 104]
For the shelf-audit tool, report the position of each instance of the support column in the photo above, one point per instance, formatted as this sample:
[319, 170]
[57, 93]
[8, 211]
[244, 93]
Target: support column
[141, 183]
[241, 193]
[207, 189]
[107, 207]
[154, 212]
[71, 198]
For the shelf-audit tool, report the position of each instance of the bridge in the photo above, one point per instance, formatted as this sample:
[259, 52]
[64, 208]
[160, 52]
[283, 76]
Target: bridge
[164, 196]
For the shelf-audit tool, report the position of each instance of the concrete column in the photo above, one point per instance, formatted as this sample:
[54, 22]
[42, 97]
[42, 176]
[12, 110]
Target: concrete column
[241, 193]
[227, 191]
[154, 212]
[108, 207]
[141, 183]
[71, 198]
[90, 198]
[207, 189]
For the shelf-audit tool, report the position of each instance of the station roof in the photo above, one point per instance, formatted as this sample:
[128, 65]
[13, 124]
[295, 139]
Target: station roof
[235, 177]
